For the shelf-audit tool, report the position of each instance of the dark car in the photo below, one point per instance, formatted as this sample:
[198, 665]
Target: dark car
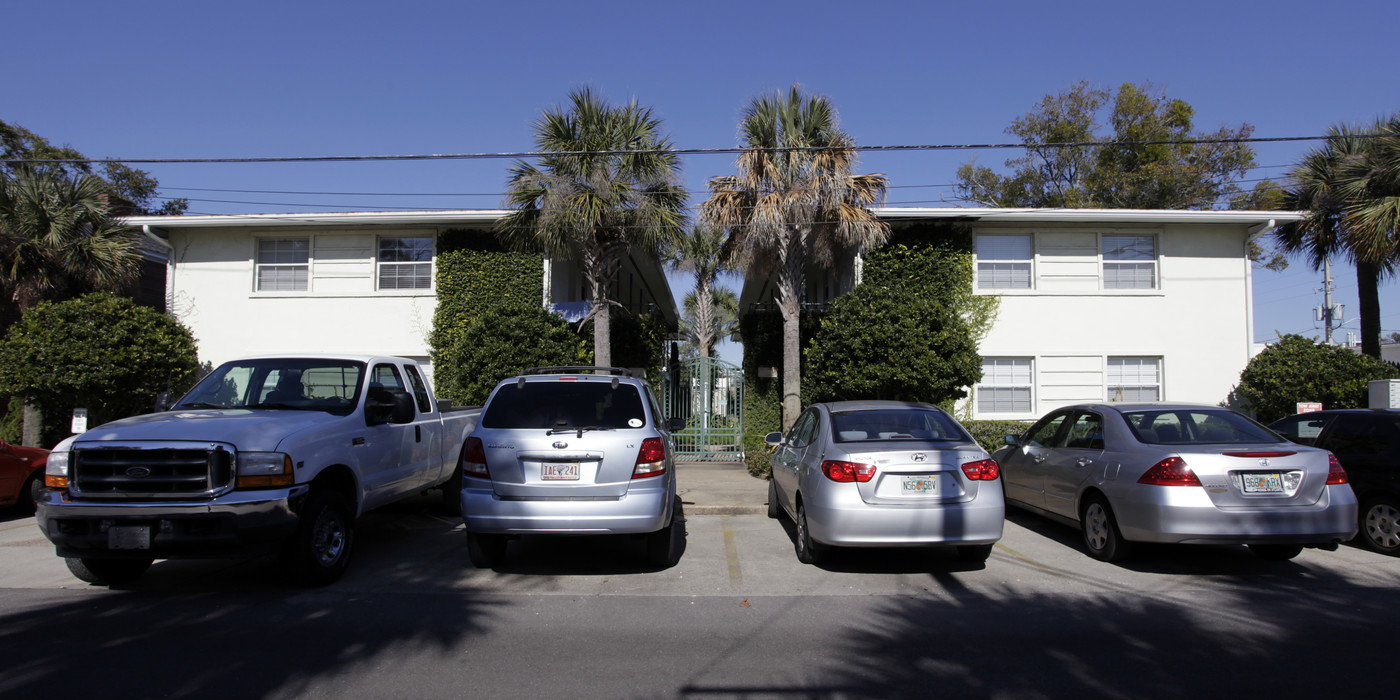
[1367, 442]
[21, 476]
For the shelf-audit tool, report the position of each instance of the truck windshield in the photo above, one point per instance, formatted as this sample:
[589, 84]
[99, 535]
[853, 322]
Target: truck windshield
[298, 384]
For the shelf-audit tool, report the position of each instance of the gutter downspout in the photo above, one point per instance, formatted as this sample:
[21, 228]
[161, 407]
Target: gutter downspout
[1252, 234]
[150, 233]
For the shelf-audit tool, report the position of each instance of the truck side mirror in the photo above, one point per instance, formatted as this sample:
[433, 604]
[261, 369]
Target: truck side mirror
[382, 406]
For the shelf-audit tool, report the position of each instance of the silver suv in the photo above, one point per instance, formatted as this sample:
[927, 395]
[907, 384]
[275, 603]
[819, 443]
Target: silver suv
[569, 451]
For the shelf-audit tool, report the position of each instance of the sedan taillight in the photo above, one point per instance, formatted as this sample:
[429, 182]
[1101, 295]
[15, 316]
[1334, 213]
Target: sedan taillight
[474, 462]
[982, 470]
[847, 472]
[1171, 471]
[1335, 473]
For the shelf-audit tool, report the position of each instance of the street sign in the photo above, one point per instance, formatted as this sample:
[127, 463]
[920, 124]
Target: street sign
[1308, 406]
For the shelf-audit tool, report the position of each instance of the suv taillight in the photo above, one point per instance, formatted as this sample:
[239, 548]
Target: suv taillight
[1171, 471]
[1335, 473]
[651, 459]
[847, 472]
[982, 470]
[474, 463]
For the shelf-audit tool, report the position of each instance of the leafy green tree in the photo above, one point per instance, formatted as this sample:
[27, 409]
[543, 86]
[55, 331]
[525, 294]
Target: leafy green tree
[883, 342]
[1140, 163]
[101, 352]
[129, 184]
[1296, 369]
[700, 252]
[794, 200]
[1350, 188]
[607, 185]
[497, 344]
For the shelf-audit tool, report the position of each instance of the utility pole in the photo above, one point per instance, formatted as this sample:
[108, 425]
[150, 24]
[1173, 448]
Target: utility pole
[1329, 314]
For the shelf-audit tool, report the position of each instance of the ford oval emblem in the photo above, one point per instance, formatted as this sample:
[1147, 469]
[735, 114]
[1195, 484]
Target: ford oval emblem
[919, 457]
[560, 445]
[138, 472]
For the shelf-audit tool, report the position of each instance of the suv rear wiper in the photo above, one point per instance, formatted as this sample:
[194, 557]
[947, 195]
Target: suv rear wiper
[581, 429]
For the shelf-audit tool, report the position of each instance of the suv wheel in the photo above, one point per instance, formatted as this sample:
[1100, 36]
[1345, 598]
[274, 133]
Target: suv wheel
[486, 551]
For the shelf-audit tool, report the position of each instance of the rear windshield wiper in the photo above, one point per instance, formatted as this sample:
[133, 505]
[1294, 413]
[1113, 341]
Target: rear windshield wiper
[580, 429]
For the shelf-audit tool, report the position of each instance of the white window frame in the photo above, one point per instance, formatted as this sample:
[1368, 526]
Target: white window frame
[1014, 373]
[1117, 379]
[1115, 267]
[988, 268]
[381, 266]
[259, 267]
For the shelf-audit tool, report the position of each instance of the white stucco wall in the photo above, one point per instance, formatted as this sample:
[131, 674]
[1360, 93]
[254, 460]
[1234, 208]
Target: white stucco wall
[1197, 320]
[214, 295]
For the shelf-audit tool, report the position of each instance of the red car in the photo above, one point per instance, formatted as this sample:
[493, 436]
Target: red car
[21, 475]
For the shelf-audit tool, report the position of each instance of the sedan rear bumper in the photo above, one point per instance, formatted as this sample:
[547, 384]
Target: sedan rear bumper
[851, 522]
[640, 510]
[1185, 515]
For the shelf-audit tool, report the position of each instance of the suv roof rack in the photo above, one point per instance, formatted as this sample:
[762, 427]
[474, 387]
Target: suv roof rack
[580, 369]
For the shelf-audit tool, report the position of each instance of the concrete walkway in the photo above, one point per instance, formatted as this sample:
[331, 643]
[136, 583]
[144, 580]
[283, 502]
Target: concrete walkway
[720, 488]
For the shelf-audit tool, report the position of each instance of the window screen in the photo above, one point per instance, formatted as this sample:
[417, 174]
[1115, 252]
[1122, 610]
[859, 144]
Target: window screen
[283, 264]
[1004, 262]
[1005, 386]
[1129, 262]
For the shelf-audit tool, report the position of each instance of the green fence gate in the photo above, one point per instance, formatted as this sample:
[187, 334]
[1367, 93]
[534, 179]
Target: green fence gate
[709, 394]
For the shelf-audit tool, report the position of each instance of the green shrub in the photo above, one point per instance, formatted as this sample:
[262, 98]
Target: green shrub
[1296, 369]
[100, 352]
[498, 343]
[991, 434]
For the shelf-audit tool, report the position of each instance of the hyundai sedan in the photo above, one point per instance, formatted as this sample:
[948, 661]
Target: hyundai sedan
[1126, 473]
[884, 474]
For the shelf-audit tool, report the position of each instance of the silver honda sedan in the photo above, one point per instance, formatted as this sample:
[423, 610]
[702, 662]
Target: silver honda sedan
[884, 474]
[1177, 473]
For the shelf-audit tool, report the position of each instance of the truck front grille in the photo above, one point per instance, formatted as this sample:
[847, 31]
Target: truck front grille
[151, 473]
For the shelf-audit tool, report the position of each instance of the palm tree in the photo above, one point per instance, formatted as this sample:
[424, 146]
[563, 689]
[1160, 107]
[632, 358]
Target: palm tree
[794, 198]
[58, 241]
[701, 251]
[702, 326]
[1343, 186]
[607, 184]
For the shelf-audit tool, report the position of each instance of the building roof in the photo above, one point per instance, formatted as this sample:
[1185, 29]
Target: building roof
[1099, 216]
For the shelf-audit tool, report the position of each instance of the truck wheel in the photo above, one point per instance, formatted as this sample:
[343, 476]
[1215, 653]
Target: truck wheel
[108, 572]
[319, 551]
[486, 551]
[452, 492]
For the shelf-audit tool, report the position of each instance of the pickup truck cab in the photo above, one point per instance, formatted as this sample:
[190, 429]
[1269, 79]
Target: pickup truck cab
[270, 454]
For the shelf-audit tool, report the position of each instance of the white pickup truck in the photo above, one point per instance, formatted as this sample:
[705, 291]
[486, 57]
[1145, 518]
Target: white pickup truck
[270, 454]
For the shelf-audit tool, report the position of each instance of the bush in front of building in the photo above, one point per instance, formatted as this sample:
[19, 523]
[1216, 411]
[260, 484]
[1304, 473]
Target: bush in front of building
[991, 434]
[498, 343]
[1297, 369]
[100, 352]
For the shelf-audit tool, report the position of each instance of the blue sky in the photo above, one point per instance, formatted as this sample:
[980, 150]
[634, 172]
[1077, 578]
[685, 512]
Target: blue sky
[256, 79]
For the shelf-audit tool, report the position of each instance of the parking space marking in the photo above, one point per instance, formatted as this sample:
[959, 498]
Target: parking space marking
[731, 551]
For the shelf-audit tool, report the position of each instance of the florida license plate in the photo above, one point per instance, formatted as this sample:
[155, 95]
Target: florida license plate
[559, 471]
[1270, 482]
[129, 537]
[920, 484]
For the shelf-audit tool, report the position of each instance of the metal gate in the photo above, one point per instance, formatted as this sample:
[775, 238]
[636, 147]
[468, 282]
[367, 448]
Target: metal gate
[709, 394]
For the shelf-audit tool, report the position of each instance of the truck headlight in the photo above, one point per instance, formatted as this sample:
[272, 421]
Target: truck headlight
[56, 470]
[264, 470]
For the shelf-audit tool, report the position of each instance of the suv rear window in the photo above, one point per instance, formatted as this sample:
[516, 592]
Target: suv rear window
[565, 404]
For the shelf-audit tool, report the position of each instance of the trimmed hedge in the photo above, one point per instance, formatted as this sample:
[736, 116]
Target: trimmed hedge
[991, 434]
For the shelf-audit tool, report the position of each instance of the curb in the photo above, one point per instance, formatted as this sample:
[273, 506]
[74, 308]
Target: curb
[692, 509]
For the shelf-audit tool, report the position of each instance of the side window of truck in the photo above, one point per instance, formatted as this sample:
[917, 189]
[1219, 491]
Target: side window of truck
[420, 389]
[383, 380]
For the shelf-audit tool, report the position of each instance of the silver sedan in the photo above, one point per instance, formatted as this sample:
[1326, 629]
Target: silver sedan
[1177, 473]
[884, 474]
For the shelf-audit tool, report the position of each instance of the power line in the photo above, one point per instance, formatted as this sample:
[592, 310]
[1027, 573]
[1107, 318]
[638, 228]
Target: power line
[671, 151]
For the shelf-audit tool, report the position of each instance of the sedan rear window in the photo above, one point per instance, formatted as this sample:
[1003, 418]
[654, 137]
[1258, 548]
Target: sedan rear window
[898, 424]
[565, 404]
[1196, 427]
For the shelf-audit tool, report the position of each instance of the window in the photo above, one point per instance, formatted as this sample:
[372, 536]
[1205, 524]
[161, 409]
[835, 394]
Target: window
[420, 390]
[1129, 262]
[282, 264]
[406, 263]
[1086, 433]
[1004, 262]
[565, 405]
[1046, 433]
[1005, 386]
[1134, 379]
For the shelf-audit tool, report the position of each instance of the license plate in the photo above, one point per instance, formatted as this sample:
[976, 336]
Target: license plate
[1262, 483]
[129, 537]
[919, 484]
[559, 471]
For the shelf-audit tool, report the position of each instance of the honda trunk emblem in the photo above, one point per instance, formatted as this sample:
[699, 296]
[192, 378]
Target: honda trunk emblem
[1263, 462]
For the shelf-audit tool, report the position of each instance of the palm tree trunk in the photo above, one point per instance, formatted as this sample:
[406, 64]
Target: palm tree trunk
[32, 434]
[602, 326]
[1368, 291]
[704, 319]
[790, 307]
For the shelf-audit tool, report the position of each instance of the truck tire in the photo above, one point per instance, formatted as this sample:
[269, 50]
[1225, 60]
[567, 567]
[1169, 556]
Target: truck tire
[452, 492]
[30, 493]
[319, 551]
[108, 572]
